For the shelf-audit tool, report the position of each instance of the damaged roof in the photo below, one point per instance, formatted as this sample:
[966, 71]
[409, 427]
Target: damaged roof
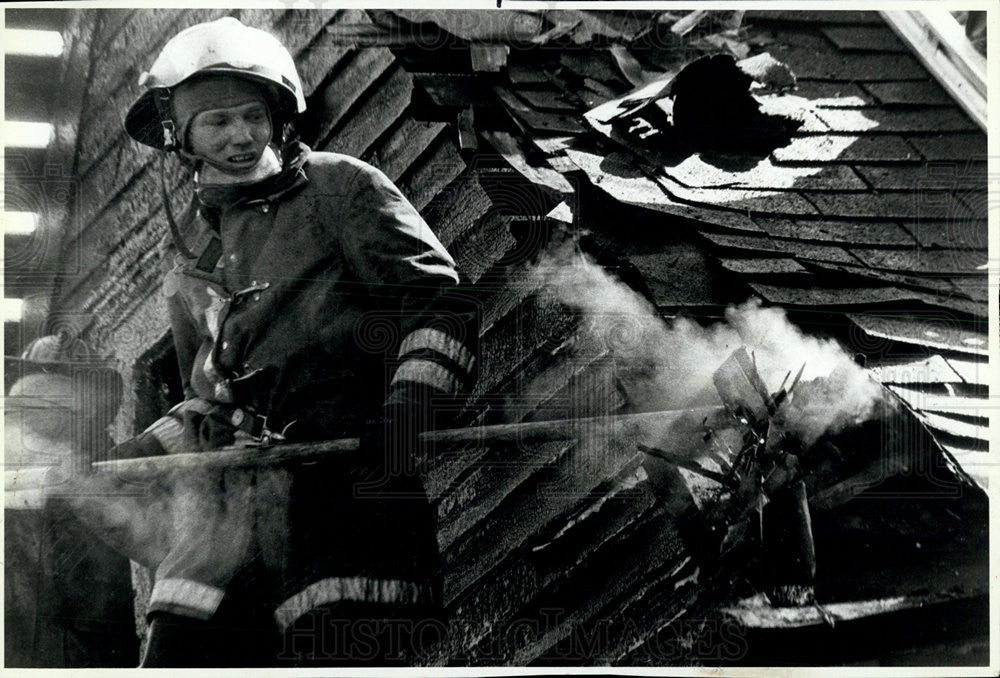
[869, 220]
[871, 209]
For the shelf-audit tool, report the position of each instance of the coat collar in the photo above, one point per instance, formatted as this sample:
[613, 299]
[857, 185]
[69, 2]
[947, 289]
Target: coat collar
[292, 177]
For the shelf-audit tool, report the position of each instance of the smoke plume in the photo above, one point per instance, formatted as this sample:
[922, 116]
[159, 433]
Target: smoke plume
[664, 366]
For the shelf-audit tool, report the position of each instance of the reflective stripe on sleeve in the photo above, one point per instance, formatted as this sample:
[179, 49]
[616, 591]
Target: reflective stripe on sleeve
[436, 340]
[427, 372]
[169, 432]
[355, 589]
[185, 597]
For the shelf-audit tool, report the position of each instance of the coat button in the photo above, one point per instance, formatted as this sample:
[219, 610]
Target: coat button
[232, 257]
[264, 208]
[225, 345]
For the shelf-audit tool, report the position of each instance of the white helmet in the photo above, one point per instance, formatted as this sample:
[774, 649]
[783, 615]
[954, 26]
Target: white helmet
[221, 46]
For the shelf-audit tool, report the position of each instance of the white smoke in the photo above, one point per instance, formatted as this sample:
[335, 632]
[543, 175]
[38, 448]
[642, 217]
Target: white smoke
[199, 520]
[669, 366]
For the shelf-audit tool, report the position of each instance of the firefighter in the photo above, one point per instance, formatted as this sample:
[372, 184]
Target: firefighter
[67, 597]
[308, 300]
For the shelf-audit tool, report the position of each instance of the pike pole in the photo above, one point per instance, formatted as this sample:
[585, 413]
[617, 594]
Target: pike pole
[681, 425]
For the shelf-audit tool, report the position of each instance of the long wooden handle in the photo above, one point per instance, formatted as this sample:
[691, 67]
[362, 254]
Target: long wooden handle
[682, 425]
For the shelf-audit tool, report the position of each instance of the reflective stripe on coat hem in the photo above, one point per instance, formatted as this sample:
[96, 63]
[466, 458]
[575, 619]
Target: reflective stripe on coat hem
[355, 589]
[436, 340]
[185, 597]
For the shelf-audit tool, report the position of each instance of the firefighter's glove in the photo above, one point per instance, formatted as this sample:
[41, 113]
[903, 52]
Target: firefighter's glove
[209, 431]
[391, 439]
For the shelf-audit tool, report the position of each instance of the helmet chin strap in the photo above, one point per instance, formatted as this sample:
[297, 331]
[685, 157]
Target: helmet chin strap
[211, 173]
[175, 232]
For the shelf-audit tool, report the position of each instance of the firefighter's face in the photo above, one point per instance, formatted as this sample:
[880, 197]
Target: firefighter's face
[231, 138]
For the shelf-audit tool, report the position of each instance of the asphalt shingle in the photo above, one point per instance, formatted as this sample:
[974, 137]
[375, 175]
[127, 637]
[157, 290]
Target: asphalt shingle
[888, 205]
[840, 231]
[954, 233]
[957, 147]
[948, 175]
[925, 329]
[864, 39]
[923, 261]
[881, 120]
[846, 148]
[909, 93]
[825, 94]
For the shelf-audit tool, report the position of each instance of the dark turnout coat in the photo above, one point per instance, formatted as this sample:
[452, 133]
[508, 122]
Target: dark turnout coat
[319, 299]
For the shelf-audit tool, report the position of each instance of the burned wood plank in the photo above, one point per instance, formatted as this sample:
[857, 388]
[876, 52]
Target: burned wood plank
[493, 602]
[406, 143]
[488, 58]
[512, 151]
[486, 244]
[455, 89]
[441, 165]
[546, 99]
[553, 489]
[515, 326]
[457, 208]
[612, 576]
[548, 493]
[537, 121]
[527, 74]
[476, 26]
[596, 64]
[494, 476]
[322, 57]
[358, 74]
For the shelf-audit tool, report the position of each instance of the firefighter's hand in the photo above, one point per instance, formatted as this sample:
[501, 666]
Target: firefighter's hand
[210, 431]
